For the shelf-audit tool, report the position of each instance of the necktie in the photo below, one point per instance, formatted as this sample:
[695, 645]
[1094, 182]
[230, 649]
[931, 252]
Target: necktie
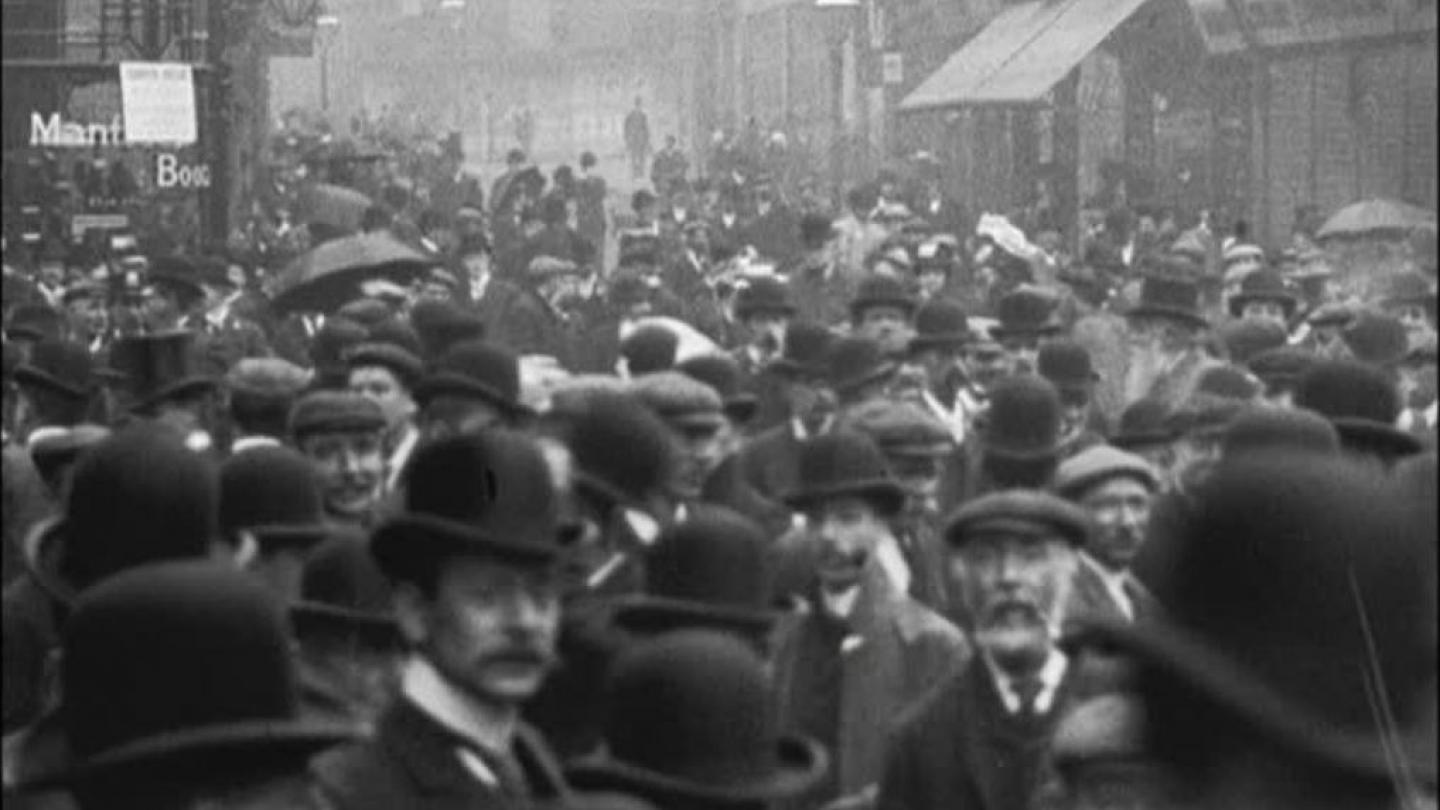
[1028, 689]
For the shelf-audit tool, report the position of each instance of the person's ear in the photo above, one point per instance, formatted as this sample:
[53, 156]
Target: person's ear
[411, 613]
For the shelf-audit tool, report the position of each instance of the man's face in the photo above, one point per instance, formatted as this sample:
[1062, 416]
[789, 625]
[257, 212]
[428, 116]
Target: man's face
[1074, 412]
[767, 330]
[810, 401]
[847, 530]
[702, 448]
[490, 629]
[884, 325]
[1023, 351]
[88, 314]
[1121, 509]
[931, 282]
[351, 467]
[1272, 311]
[1417, 384]
[1195, 456]
[1014, 586]
[457, 416]
[939, 365]
[1416, 321]
[380, 384]
[987, 365]
[920, 475]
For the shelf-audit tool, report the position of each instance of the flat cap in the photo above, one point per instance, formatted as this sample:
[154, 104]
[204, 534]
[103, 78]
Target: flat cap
[679, 399]
[902, 428]
[402, 363]
[546, 266]
[1018, 511]
[334, 412]
[268, 375]
[1100, 463]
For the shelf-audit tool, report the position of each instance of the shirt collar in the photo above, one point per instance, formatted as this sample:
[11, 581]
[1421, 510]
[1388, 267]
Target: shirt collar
[445, 704]
[1050, 675]
[797, 427]
[247, 442]
[40, 434]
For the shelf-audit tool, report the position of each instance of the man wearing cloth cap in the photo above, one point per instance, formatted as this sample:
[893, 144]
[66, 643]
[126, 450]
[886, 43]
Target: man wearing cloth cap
[387, 374]
[478, 602]
[340, 433]
[262, 391]
[979, 741]
[1117, 489]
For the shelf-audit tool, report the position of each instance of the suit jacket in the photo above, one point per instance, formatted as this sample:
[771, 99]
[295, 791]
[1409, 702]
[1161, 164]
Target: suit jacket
[769, 462]
[727, 487]
[904, 649]
[412, 763]
[1091, 601]
[959, 749]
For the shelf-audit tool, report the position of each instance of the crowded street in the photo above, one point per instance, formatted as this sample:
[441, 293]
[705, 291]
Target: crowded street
[720, 405]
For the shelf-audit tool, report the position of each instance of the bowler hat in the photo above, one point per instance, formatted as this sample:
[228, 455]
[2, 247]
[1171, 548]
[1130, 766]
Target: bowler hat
[763, 295]
[844, 464]
[179, 668]
[396, 331]
[1017, 511]
[271, 492]
[881, 291]
[1267, 430]
[1171, 298]
[806, 351]
[1026, 312]
[1362, 403]
[621, 450]
[855, 362]
[140, 495]
[62, 366]
[442, 324]
[1094, 465]
[159, 367]
[328, 347]
[711, 570]
[1282, 366]
[722, 373]
[34, 321]
[940, 323]
[679, 400]
[334, 412]
[689, 718]
[1066, 364]
[1288, 564]
[406, 367]
[479, 370]
[650, 348]
[342, 588]
[1023, 420]
[902, 429]
[1408, 288]
[179, 276]
[1220, 394]
[489, 494]
[1379, 340]
[1244, 339]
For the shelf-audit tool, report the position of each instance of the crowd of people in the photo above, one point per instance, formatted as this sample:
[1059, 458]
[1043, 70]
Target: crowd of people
[886, 507]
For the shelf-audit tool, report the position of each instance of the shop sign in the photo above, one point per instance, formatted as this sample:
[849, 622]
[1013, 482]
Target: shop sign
[158, 100]
[56, 132]
[171, 173]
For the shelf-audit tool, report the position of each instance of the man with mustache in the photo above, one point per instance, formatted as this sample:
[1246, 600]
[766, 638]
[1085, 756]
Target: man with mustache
[862, 650]
[477, 598]
[980, 740]
[1117, 489]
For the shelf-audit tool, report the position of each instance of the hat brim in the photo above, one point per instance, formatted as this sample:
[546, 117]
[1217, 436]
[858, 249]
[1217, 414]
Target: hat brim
[404, 539]
[220, 743]
[30, 375]
[1182, 655]
[1239, 300]
[799, 763]
[884, 493]
[652, 615]
[905, 305]
[1133, 441]
[940, 340]
[441, 384]
[188, 385]
[1185, 316]
[1000, 332]
[866, 377]
[1387, 439]
[309, 616]
[775, 308]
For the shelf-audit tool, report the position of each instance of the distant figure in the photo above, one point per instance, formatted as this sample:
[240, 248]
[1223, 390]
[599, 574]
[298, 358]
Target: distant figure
[637, 140]
[590, 194]
[670, 167]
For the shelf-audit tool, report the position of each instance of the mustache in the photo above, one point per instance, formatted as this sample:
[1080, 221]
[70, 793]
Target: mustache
[995, 611]
[526, 654]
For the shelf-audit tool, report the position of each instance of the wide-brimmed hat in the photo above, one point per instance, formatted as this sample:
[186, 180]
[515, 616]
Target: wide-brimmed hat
[1143, 423]
[342, 589]
[1264, 285]
[689, 718]
[881, 291]
[159, 367]
[1171, 298]
[940, 323]
[1363, 404]
[272, 493]
[711, 570]
[490, 494]
[1026, 312]
[806, 351]
[622, 452]
[179, 666]
[479, 370]
[1286, 564]
[763, 294]
[722, 373]
[177, 275]
[62, 366]
[1018, 511]
[855, 362]
[844, 464]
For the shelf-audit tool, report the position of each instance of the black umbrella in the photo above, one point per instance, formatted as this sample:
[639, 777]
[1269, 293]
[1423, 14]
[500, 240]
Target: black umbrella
[330, 275]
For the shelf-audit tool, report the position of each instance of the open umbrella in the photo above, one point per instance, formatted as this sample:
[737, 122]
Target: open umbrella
[1375, 217]
[332, 274]
[336, 206]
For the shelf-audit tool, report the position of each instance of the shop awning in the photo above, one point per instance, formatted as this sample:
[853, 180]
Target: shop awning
[1022, 53]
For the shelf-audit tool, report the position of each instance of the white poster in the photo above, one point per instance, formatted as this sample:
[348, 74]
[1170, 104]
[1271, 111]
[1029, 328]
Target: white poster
[158, 100]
